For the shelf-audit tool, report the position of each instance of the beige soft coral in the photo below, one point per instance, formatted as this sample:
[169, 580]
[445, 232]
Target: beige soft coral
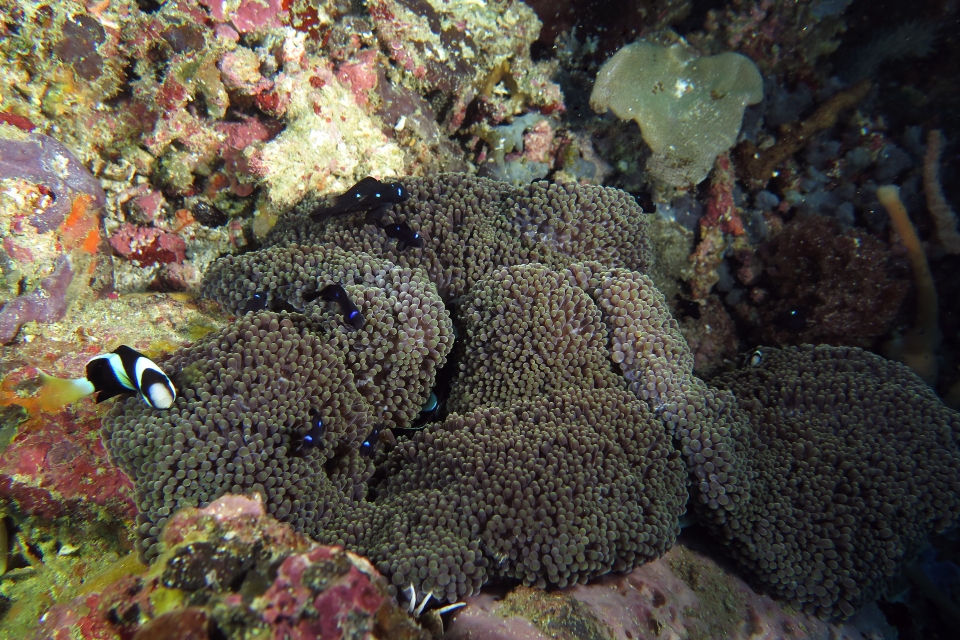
[917, 347]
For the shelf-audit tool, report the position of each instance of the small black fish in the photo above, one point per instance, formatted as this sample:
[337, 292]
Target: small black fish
[687, 308]
[313, 437]
[123, 371]
[369, 195]
[336, 293]
[794, 319]
[369, 446]
[260, 302]
[403, 234]
[257, 302]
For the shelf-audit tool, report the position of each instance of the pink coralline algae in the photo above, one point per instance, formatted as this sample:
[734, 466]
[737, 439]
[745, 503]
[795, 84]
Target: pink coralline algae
[360, 74]
[255, 577]
[295, 609]
[57, 466]
[248, 15]
[147, 206]
[47, 303]
[241, 146]
[538, 143]
[148, 245]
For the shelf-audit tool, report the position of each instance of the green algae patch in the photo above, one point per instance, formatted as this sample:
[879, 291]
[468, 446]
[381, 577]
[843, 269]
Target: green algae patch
[54, 561]
[555, 614]
[11, 417]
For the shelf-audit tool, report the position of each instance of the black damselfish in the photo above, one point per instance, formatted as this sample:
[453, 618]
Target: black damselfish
[312, 438]
[122, 371]
[368, 195]
[369, 446]
[336, 293]
[403, 234]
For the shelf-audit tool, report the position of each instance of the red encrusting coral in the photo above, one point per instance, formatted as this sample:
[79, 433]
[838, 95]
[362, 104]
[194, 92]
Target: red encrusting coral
[57, 466]
[720, 209]
[14, 120]
[148, 245]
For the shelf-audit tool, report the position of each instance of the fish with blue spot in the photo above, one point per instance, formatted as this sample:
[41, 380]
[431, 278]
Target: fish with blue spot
[368, 195]
[403, 234]
[369, 446]
[313, 437]
[123, 371]
[336, 293]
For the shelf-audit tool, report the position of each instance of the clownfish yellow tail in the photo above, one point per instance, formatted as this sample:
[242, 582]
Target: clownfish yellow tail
[56, 393]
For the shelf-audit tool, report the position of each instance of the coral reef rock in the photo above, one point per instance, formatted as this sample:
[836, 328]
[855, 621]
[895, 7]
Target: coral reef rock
[231, 571]
[575, 432]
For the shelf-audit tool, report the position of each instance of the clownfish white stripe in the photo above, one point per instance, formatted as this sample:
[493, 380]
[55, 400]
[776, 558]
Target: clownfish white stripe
[142, 365]
[116, 365]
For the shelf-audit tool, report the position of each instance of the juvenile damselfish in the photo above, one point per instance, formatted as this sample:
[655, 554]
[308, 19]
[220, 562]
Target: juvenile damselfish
[369, 446]
[312, 438]
[336, 293]
[123, 371]
[368, 195]
[403, 234]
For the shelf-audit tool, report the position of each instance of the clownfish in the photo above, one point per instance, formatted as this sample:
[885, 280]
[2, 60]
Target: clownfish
[368, 195]
[123, 371]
